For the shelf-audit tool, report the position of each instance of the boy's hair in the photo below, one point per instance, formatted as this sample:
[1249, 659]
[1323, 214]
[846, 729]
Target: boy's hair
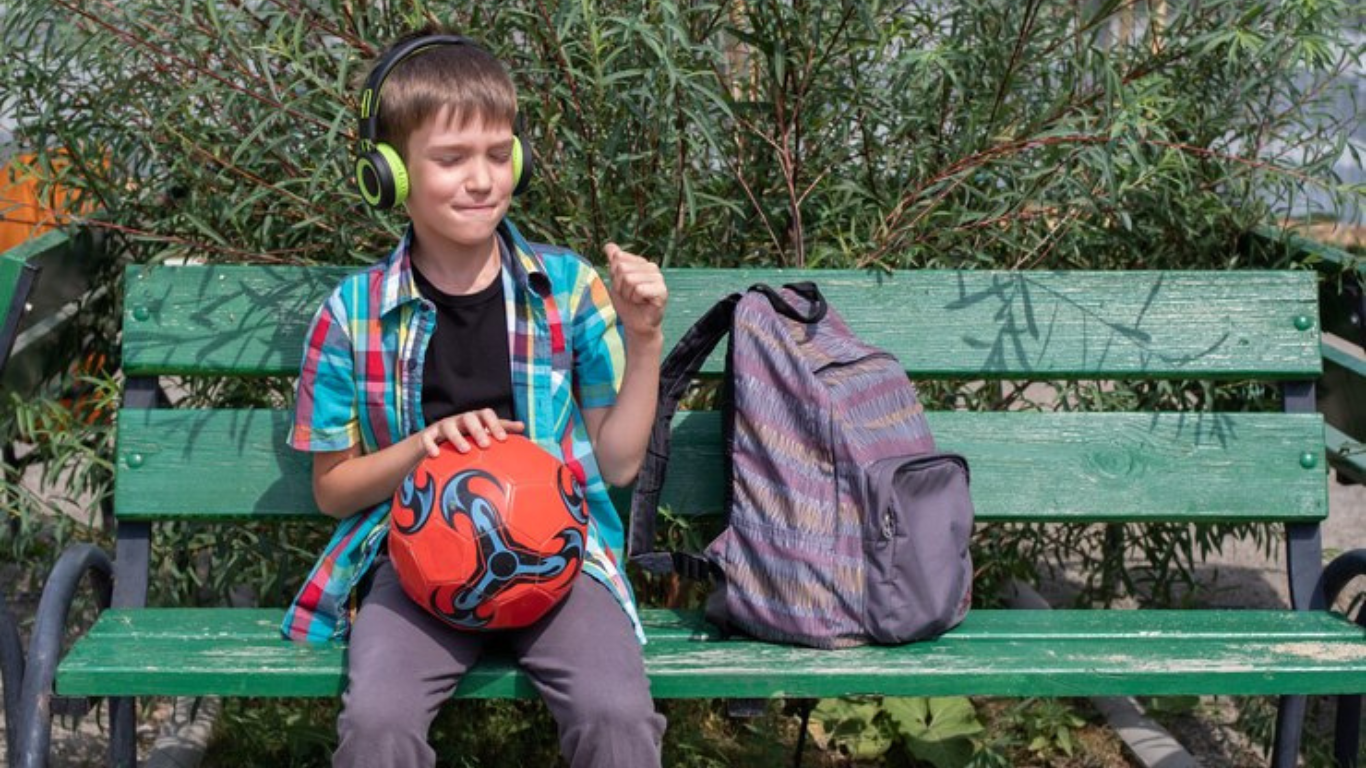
[466, 78]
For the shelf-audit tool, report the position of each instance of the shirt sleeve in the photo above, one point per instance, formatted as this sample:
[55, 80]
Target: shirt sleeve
[599, 352]
[326, 416]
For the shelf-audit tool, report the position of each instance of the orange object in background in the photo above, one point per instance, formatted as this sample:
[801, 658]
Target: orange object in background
[23, 216]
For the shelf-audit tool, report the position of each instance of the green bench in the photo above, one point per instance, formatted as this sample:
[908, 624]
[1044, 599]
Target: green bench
[1061, 467]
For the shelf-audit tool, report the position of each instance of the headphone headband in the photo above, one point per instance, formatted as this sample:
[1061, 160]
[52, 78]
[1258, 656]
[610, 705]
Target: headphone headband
[369, 97]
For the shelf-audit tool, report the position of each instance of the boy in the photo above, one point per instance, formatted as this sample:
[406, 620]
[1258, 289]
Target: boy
[467, 332]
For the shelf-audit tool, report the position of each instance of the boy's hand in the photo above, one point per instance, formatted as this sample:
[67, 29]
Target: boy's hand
[478, 425]
[638, 292]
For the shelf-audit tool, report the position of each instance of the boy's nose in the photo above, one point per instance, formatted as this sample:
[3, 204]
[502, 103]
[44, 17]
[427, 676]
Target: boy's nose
[480, 178]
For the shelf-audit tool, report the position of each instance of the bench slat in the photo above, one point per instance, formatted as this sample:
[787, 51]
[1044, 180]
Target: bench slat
[250, 320]
[129, 625]
[994, 653]
[1074, 467]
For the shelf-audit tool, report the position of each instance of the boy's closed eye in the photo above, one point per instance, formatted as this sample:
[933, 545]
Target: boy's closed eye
[451, 161]
[453, 155]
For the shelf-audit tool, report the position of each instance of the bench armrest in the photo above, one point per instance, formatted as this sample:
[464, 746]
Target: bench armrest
[1340, 572]
[34, 729]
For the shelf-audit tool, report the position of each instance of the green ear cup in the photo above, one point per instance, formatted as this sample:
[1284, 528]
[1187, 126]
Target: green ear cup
[368, 178]
[399, 171]
[382, 177]
[523, 161]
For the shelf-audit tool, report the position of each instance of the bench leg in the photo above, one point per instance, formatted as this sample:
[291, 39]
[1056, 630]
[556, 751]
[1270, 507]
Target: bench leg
[1347, 731]
[131, 560]
[123, 733]
[1304, 566]
[11, 675]
[1289, 729]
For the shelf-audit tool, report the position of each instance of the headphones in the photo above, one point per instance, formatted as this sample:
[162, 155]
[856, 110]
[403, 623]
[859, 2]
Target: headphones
[380, 173]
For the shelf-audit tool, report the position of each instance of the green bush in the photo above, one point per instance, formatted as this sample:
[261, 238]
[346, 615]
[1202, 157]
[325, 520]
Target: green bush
[1060, 134]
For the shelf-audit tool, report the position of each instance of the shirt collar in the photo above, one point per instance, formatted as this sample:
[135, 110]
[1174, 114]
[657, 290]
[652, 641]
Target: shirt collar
[519, 259]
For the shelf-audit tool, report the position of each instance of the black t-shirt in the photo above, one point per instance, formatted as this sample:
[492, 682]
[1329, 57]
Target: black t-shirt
[466, 367]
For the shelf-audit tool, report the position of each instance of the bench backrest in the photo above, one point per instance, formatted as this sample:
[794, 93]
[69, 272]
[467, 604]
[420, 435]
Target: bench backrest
[957, 325]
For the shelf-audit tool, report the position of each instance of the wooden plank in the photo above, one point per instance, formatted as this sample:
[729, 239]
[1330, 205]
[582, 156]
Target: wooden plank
[16, 282]
[1342, 388]
[13, 260]
[1346, 454]
[1074, 467]
[1339, 356]
[129, 625]
[12, 269]
[1306, 250]
[250, 320]
[68, 260]
[55, 269]
[995, 653]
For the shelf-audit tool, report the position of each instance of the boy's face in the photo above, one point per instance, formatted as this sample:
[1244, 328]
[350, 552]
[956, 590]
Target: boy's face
[460, 179]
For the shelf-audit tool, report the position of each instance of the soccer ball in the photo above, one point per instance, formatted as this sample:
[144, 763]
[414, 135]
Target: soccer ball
[489, 539]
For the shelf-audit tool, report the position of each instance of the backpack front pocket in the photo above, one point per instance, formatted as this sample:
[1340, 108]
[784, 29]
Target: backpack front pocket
[916, 530]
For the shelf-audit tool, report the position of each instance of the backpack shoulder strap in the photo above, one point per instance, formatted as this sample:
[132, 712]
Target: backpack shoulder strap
[676, 373]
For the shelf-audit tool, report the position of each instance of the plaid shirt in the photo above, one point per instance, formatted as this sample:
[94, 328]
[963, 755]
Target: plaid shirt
[361, 382]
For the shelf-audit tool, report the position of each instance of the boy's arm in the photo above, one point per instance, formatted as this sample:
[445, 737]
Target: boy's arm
[620, 433]
[346, 482]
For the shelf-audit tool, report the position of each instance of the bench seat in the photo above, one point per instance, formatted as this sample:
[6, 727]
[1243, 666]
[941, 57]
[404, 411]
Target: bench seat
[238, 652]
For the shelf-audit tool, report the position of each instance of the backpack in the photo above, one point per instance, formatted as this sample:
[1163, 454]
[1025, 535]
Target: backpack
[844, 526]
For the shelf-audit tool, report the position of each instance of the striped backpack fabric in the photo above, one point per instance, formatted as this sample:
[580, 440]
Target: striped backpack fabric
[844, 526]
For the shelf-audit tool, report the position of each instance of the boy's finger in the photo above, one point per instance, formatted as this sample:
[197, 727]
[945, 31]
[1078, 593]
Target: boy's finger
[633, 261]
[501, 427]
[635, 267]
[450, 429]
[493, 425]
[651, 292]
[474, 427]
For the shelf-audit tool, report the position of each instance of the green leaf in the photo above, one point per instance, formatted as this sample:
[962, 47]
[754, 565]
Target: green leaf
[1064, 739]
[936, 730]
[851, 728]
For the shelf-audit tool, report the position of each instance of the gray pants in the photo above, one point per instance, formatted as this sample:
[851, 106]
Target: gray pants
[583, 658]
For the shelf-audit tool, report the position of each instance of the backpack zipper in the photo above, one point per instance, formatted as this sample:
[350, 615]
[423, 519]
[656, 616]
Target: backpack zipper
[855, 361]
